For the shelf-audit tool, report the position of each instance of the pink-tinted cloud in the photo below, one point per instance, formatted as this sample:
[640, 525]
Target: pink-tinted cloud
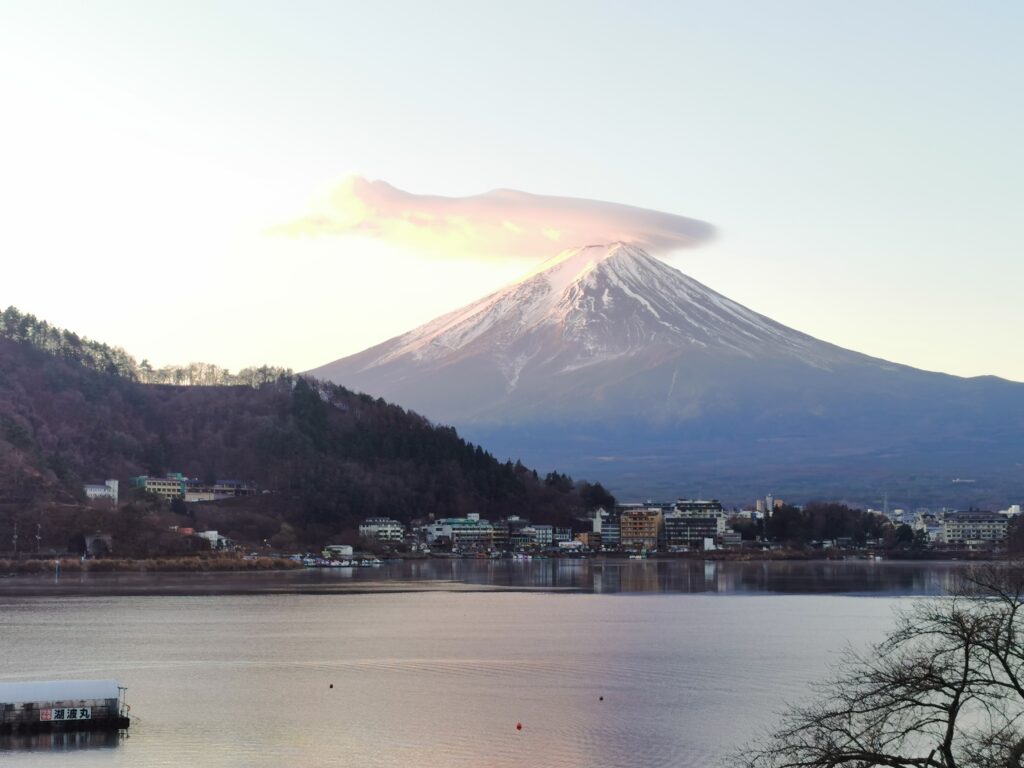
[500, 223]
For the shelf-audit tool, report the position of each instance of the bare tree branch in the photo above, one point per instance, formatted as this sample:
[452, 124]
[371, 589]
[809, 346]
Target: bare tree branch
[945, 689]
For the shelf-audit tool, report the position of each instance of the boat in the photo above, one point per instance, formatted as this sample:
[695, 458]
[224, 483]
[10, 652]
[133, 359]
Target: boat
[62, 705]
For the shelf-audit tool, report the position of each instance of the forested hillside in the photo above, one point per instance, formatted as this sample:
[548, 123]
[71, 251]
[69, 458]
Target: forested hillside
[72, 411]
[23, 327]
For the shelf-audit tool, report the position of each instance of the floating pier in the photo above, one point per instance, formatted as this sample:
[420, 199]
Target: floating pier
[62, 705]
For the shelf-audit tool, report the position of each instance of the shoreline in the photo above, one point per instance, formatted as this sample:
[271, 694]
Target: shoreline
[210, 564]
[562, 575]
[230, 564]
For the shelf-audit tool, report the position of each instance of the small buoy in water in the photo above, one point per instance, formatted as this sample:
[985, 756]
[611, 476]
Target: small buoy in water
[600, 698]
[332, 685]
[519, 726]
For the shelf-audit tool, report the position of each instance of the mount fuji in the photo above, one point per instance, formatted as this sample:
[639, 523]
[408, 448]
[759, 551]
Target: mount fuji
[608, 362]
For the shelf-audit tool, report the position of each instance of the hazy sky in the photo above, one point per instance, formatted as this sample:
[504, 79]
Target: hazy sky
[861, 162]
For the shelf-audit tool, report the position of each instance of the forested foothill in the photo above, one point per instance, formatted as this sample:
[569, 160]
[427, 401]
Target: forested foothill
[323, 457]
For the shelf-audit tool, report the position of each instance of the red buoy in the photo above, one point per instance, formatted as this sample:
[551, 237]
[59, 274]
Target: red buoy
[519, 726]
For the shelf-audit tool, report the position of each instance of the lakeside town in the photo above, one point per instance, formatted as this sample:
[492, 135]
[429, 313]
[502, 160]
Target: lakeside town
[767, 527]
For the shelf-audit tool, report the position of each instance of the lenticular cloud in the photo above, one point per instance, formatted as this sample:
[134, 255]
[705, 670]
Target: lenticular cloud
[500, 223]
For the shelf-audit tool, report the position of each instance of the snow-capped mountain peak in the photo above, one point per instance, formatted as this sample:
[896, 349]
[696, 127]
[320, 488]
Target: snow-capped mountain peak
[607, 359]
[594, 304]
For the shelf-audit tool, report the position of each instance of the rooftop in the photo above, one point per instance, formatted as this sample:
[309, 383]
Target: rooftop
[57, 690]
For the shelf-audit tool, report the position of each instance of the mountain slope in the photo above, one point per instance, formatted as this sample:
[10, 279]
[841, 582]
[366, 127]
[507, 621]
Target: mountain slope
[606, 357]
[583, 324]
[328, 457]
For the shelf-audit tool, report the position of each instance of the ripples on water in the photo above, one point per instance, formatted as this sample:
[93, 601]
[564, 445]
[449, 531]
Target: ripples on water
[688, 576]
[437, 678]
[599, 576]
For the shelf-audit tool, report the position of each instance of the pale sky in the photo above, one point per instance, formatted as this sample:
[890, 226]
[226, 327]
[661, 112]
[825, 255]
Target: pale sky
[861, 162]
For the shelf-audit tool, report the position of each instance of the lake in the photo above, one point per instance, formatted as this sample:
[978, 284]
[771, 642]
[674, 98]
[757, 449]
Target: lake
[434, 664]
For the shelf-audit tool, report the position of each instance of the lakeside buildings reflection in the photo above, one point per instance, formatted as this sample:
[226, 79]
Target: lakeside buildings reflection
[608, 576]
[597, 575]
[66, 741]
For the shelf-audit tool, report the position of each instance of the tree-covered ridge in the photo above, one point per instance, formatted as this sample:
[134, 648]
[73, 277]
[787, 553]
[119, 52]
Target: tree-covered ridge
[327, 457]
[27, 328]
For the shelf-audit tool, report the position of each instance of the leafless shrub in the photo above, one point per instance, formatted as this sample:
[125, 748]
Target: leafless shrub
[945, 689]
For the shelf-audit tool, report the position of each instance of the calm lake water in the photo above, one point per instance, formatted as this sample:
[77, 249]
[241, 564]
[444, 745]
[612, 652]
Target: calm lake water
[439, 672]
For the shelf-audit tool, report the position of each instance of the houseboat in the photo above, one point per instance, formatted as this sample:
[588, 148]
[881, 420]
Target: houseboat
[62, 705]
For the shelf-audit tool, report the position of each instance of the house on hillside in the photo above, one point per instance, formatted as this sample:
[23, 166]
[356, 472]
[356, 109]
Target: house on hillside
[105, 490]
[170, 487]
[381, 529]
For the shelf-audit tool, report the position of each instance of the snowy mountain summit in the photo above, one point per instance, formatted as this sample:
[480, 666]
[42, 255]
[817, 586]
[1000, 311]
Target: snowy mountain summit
[583, 315]
[609, 362]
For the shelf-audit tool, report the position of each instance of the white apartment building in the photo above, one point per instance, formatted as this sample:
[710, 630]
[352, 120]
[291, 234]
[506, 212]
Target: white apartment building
[468, 532]
[106, 490]
[382, 529]
[973, 527]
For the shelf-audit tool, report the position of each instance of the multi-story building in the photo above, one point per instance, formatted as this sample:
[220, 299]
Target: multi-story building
[500, 534]
[640, 527]
[381, 529]
[522, 537]
[561, 535]
[691, 531]
[197, 490]
[544, 535]
[521, 533]
[106, 490]
[173, 486]
[608, 527]
[468, 532]
[973, 527]
[731, 539]
[699, 507]
[693, 521]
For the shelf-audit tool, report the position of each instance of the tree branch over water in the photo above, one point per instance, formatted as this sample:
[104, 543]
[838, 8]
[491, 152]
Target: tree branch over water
[945, 689]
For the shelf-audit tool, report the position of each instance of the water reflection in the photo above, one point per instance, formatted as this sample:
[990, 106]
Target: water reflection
[63, 741]
[559, 574]
[439, 679]
[692, 576]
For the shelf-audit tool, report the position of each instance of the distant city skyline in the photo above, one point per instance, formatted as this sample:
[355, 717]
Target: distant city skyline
[860, 164]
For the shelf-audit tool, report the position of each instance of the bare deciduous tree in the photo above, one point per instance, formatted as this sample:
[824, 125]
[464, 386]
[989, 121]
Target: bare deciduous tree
[945, 689]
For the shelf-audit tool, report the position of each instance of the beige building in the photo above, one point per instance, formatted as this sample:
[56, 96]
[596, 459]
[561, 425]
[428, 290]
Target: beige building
[640, 528]
[170, 487]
